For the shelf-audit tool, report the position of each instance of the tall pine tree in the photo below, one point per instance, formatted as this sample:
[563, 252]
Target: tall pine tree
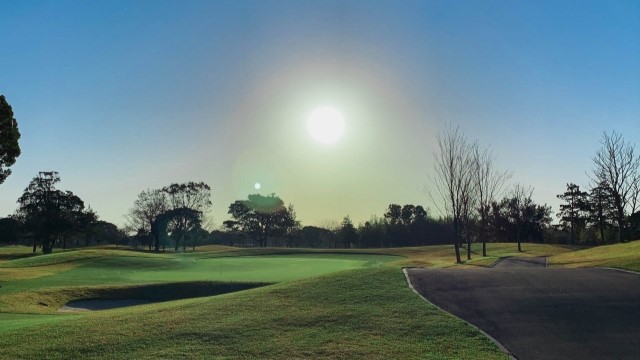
[574, 213]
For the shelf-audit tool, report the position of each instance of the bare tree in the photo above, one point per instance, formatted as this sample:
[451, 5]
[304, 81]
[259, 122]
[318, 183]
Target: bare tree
[519, 198]
[453, 179]
[489, 183]
[617, 166]
[148, 205]
[469, 200]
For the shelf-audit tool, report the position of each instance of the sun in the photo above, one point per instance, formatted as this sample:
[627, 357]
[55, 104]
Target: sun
[326, 125]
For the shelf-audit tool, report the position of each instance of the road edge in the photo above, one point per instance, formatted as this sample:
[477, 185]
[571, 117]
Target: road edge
[500, 346]
[498, 261]
[618, 269]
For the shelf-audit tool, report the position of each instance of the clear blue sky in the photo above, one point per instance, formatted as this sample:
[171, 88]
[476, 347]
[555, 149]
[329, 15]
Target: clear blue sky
[120, 96]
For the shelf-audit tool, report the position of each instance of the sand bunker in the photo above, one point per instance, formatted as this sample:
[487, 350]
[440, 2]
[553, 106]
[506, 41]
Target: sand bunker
[100, 304]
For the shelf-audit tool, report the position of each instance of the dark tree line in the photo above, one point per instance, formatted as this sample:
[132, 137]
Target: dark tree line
[49, 217]
[266, 221]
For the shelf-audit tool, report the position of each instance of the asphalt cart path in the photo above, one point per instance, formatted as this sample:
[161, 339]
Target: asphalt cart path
[537, 312]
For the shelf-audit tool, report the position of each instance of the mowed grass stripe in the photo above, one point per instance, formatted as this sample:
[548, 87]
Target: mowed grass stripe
[367, 313]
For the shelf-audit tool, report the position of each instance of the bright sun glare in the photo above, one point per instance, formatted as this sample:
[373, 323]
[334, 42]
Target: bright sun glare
[326, 125]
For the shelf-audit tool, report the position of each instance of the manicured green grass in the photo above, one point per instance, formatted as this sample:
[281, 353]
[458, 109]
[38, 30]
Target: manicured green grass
[326, 304]
[11, 322]
[368, 313]
[86, 268]
[622, 256]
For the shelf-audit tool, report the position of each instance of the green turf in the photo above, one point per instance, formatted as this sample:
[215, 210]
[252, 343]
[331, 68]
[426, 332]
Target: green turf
[14, 252]
[114, 269]
[622, 256]
[11, 322]
[336, 304]
[367, 313]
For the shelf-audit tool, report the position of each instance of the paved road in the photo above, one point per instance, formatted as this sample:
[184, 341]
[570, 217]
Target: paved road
[519, 262]
[543, 313]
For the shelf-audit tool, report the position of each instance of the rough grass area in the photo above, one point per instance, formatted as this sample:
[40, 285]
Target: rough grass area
[621, 256]
[368, 313]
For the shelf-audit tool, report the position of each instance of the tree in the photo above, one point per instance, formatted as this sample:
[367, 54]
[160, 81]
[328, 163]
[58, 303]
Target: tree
[145, 210]
[192, 219]
[520, 198]
[48, 212]
[190, 195]
[104, 232]
[396, 233]
[372, 233]
[489, 184]
[71, 214]
[453, 179]
[518, 216]
[10, 230]
[348, 232]
[260, 217]
[292, 226]
[394, 214]
[87, 222]
[419, 214]
[407, 215]
[9, 136]
[601, 208]
[617, 165]
[575, 211]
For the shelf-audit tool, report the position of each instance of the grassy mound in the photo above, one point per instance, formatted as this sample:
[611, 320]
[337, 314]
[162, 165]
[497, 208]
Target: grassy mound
[369, 313]
[622, 256]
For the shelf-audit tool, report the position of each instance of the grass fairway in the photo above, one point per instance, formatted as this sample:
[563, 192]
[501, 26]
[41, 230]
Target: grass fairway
[367, 313]
[93, 268]
[336, 304]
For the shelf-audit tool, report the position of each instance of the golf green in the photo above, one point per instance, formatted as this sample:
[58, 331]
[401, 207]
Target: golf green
[124, 270]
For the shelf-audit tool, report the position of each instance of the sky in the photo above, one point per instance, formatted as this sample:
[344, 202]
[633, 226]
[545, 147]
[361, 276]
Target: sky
[123, 96]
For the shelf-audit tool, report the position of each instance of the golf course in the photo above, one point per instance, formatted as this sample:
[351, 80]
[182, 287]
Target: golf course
[224, 302]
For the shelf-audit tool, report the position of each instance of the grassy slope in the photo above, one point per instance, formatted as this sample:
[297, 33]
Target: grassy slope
[363, 313]
[44, 283]
[368, 313]
[622, 256]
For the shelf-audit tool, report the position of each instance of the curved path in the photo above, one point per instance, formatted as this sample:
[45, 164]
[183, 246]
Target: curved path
[542, 313]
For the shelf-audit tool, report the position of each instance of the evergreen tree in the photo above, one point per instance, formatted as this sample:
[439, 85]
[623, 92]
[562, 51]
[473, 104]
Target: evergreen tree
[9, 135]
[574, 213]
